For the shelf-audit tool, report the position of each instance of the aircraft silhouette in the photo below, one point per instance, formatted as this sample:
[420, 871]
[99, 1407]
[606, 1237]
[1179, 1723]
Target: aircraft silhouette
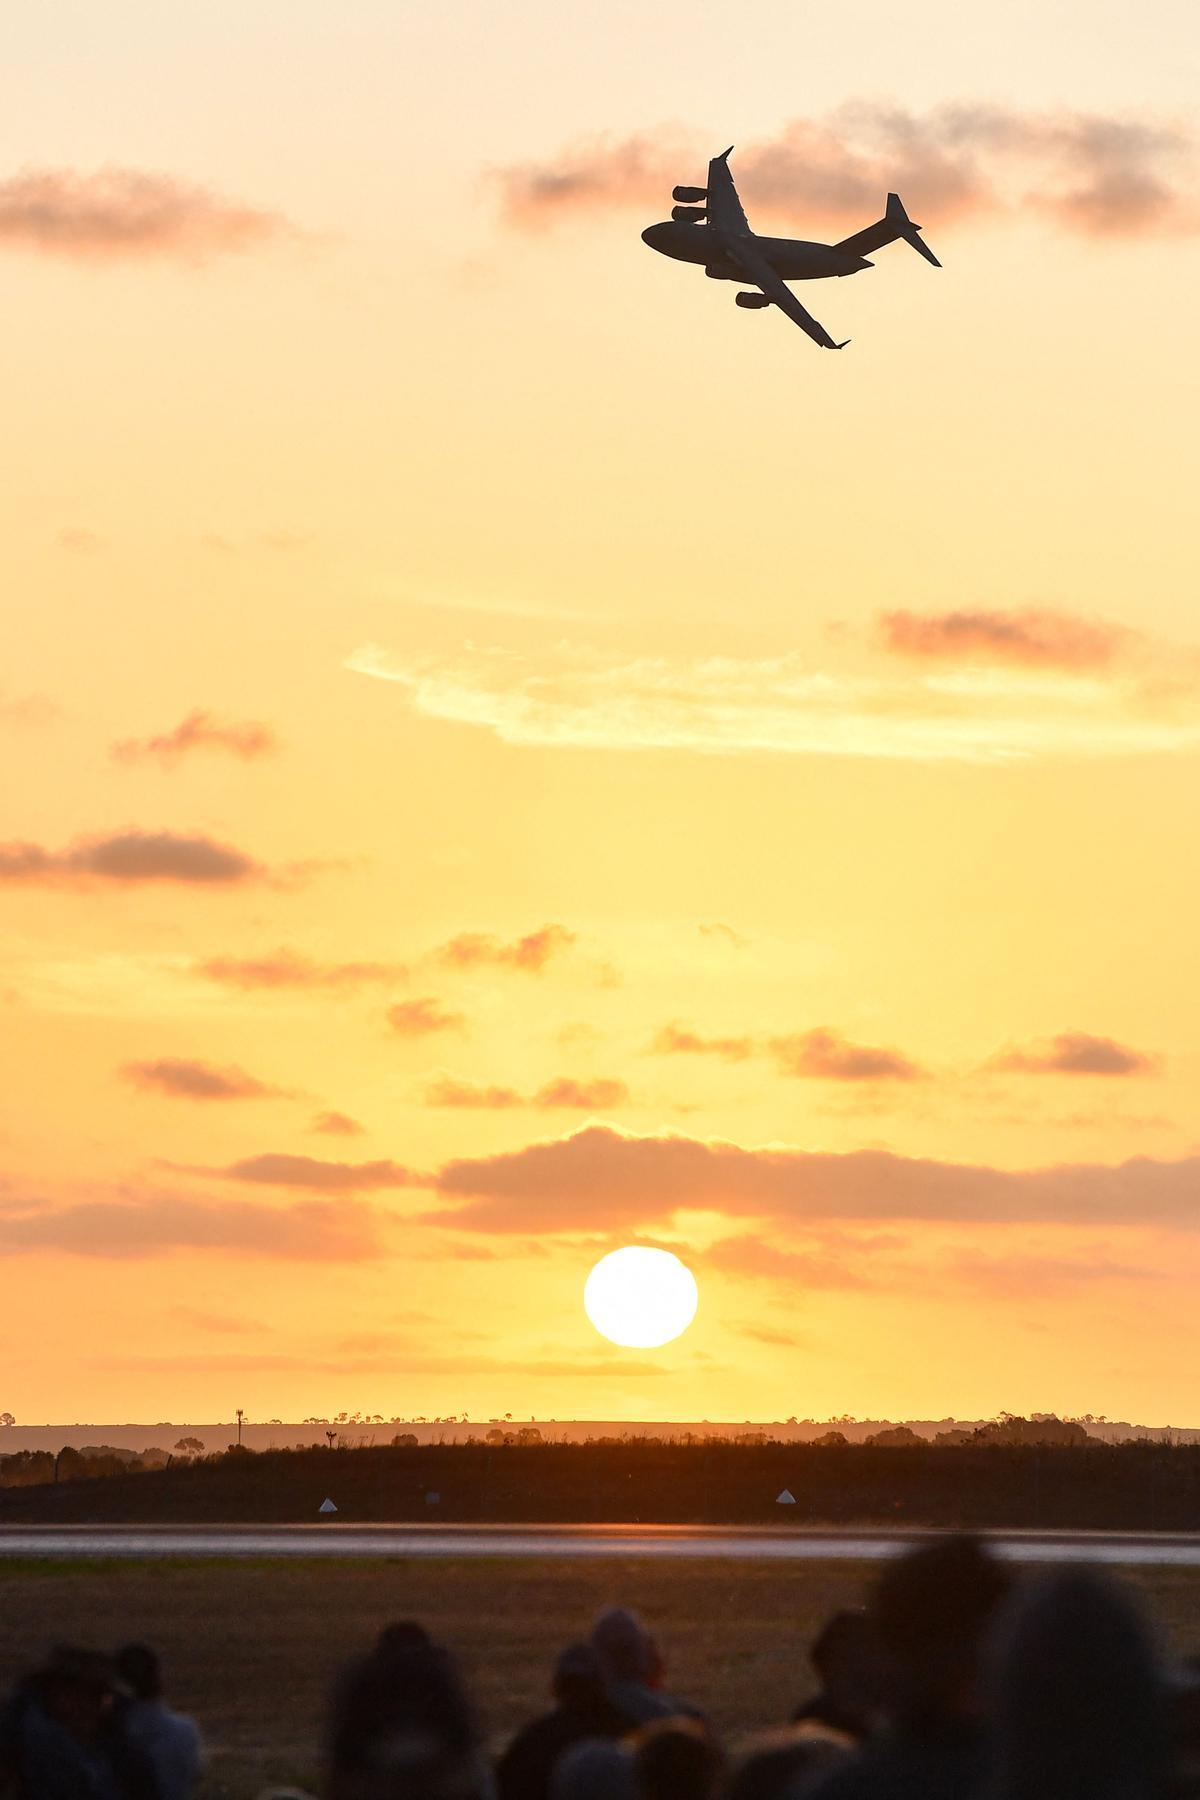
[711, 228]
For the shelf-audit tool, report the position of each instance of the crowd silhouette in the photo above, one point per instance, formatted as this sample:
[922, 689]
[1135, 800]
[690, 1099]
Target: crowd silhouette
[958, 1681]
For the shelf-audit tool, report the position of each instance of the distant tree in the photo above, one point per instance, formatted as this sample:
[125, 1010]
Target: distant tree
[829, 1439]
[190, 1446]
[7, 1419]
[405, 1440]
[893, 1435]
[529, 1434]
[494, 1436]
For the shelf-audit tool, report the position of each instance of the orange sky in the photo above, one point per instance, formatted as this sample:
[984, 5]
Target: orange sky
[507, 755]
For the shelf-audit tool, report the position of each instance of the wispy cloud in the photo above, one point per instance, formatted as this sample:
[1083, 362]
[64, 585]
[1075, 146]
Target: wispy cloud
[306, 1231]
[819, 1055]
[286, 968]
[565, 1093]
[606, 1179]
[337, 1124]
[1097, 175]
[1075, 1053]
[531, 953]
[128, 857]
[578, 698]
[120, 214]
[246, 739]
[1027, 638]
[276, 1169]
[196, 1080]
[825, 1055]
[681, 1040]
[423, 1017]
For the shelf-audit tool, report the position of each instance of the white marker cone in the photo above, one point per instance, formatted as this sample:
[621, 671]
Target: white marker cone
[787, 1498]
[327, 1506]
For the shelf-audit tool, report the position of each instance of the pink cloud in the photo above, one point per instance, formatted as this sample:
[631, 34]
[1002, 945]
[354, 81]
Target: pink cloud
[245, 740]
[123, 214]
[1076, 1053]
[824, 1055]
[423, 1017]
[1032, 638]
[289, 969]
[127, 857]
[196, 1080]
[532, 952]
[1092, 174]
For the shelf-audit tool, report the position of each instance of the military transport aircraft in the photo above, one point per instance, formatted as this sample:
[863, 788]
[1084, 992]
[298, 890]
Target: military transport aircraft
[711, 228]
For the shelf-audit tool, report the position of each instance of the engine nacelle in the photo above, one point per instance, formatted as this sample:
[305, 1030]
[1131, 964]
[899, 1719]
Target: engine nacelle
[752, 302]
[692, 195]
[688, 215]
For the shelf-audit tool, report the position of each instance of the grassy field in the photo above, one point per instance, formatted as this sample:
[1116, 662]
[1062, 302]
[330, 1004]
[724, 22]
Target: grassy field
[250, 1647]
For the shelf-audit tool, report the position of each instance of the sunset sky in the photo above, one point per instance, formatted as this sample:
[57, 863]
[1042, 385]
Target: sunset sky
[506, 755]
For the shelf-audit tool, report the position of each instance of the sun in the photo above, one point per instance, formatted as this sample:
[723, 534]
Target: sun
[640, 1298]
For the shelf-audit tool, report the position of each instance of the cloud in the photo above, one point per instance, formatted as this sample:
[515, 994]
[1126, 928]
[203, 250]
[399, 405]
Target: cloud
[308, 1231]
[823, 1055]
[423, 1017]
[1095, 175]
[124, 214]
[30, 709]
[718, 929]
[289, 969]
[275, 1169]
[246, 740]
[447, 1090]
[680, 1040]
[576, 697]
[812, 1269]
[566, 1092]
[337, 1124]
[78, 539]
[1031, 638]
[600, 1094]
[197, 1080]
[1076, 1053]
[126, 857]
[601, 1178]
[532, 952]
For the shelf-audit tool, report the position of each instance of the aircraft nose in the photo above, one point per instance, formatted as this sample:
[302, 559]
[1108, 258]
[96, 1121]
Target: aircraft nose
[653, 235]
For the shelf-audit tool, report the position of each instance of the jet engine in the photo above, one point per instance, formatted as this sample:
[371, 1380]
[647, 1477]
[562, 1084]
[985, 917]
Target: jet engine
[752, 301]
[692, 195]
[688, 215]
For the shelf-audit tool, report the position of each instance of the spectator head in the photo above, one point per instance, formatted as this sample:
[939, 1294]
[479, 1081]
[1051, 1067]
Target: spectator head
[75, 1687]
[402, 1728]
[404, 1635]
[1079, 1708]
[626, 1650]
[774, 1765]
[676, 1759]
[931, 1610]
[138, 1670]
[578, 1677]
[596, 1769]
[845, 1655]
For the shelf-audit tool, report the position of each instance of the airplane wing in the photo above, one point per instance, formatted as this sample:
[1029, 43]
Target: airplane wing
[754, 265]
[724, 207]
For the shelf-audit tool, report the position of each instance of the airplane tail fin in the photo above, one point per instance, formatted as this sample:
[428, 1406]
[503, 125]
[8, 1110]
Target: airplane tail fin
[894, 224]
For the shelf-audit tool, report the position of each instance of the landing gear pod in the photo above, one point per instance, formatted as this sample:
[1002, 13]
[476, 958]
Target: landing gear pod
[692, 195]
[688, 215]
[752, 302]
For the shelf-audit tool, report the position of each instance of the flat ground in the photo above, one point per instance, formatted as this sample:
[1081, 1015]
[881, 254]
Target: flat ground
[251, 1647]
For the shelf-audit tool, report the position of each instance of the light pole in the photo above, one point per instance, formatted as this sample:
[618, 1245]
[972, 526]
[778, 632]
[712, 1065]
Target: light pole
[239, 1420]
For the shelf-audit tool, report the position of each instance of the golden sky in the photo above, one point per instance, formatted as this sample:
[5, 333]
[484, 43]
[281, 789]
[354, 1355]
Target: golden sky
[506, 755]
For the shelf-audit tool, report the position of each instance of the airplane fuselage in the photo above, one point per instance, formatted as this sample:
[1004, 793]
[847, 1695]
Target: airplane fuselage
[791, 258]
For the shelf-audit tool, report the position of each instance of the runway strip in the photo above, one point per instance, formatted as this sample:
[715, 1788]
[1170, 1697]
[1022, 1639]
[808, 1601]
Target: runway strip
[555, 1542]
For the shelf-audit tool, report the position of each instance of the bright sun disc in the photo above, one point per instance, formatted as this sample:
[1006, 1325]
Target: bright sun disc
[640, 1298]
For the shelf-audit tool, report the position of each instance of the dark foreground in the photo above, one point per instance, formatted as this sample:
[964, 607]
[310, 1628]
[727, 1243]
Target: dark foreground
[1130, 1487]
[251, 1647]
